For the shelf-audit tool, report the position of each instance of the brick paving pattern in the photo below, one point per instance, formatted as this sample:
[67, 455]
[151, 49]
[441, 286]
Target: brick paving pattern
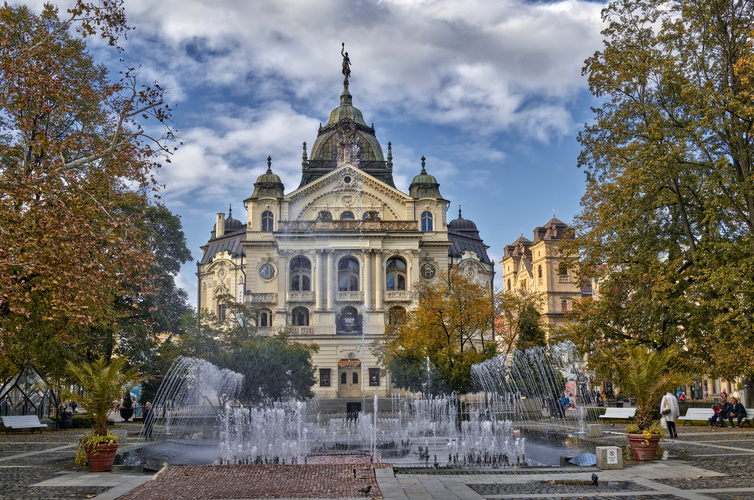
[26, 460]
[260, 481]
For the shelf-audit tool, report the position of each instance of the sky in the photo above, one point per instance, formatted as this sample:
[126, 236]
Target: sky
[489, 91]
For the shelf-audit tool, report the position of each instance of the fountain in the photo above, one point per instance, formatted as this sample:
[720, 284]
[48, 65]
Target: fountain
[196, 406]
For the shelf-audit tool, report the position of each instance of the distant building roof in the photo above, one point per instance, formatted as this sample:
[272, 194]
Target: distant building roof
[464, 235]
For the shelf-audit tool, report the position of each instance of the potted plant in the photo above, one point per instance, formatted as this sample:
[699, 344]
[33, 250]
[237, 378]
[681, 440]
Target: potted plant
[126, 409]
[102, 383]
[644, 376]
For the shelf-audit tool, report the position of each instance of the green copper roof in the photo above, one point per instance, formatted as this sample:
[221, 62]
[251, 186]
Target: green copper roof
[346, 109]
[268, 185]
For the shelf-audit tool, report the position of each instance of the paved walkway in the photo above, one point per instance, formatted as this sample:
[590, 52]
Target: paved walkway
[703, 463]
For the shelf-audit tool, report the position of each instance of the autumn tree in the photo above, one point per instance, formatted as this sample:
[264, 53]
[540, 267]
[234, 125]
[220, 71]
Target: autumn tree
[452, 327]
[520, 326]
[75, 166]
[667, 223]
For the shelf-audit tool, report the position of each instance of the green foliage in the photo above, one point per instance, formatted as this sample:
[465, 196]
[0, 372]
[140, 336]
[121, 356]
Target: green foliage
[667, 223]
[521, 327]
[101, 384]
[642, 375]
[273, 367]
[235, 344]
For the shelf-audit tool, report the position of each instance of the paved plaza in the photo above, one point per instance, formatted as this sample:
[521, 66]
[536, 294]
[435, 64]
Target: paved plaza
[703, 463]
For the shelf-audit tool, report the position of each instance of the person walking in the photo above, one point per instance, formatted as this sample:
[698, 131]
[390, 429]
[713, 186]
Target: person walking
[670, 412]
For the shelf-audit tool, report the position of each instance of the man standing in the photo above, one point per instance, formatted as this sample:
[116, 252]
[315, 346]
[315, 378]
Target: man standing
[670, 412]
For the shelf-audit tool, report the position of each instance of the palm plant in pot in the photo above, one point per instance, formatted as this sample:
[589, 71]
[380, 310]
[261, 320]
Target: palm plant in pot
[644, 376]
[102, 384]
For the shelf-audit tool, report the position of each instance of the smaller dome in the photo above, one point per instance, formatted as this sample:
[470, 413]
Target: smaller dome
[232, 224]
[424, 185]
[268, 185]
[462, 225]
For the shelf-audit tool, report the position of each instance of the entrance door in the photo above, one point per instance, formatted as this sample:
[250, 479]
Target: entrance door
[349, 382]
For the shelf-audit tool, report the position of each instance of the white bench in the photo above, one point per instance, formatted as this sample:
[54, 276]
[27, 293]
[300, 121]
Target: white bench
[23, 422]
[699, 414]
[619, 413]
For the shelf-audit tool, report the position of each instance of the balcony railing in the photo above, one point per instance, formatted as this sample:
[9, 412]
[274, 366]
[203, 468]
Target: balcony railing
[350, 297]
[397, 295]
[348, 225]
[264, 298]
[300, 296]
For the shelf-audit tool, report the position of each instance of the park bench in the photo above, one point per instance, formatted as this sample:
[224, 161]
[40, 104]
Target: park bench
[698, 414]
[23, 422]
[619, 413]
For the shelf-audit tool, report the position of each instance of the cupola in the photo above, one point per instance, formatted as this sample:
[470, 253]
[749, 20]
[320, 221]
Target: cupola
[268, 185]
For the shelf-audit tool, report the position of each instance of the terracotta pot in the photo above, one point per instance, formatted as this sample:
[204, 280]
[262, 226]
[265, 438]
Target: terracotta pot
[640, 449]
[101, 457]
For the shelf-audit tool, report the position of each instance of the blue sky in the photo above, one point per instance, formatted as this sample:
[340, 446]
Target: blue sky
[490, 91]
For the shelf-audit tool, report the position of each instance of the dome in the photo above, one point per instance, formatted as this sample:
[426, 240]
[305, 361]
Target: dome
[462, 225]
[232, 224]
[268, 185]
[424, 185]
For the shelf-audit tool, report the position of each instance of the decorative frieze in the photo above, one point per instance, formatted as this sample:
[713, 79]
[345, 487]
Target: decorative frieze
[397, 295]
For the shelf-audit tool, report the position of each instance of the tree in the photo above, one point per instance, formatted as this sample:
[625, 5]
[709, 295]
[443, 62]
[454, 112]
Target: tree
[668, 216]
[75, 164]
[274, 367]
[521, 327]
[452, 327]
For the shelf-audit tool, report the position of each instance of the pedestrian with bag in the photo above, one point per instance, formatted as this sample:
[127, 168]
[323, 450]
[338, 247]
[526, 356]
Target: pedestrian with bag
[670, 412]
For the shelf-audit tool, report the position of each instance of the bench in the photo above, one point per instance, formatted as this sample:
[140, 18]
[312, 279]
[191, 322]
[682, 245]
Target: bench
[699, 414]
[23, 422]
[619, 413]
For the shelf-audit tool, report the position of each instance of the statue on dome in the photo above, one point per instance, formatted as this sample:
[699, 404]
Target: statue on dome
[346, 62]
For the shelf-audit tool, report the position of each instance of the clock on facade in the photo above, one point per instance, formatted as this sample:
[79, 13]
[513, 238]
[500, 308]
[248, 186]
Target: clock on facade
[267, 271]
[427, 271]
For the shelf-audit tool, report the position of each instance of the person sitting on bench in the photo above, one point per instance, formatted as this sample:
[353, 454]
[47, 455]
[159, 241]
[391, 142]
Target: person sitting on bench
[717, 418]
[737, 410]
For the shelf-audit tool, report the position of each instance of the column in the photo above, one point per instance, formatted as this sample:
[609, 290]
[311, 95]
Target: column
[316, 285]
[378, 277]
[282, 281]
[368, 280]
[328, 283]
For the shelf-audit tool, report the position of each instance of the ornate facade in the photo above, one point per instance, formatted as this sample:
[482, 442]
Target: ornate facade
[539, 266]
[335, 260]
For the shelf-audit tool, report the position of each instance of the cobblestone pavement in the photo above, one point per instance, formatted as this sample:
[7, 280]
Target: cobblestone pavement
[703, 463]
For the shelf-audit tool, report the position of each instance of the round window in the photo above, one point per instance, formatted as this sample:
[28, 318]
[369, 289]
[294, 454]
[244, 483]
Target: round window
[347, 179]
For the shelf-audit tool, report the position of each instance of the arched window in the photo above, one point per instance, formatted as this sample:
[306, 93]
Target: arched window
[395, 272]
[267, 219]
[265, 318]
[347, 215]
[301, 272]
[343, 379]
[427, 221]
[564, 305]
[509, 284]
[397, 316]
[222, 310]
[355, 378]
[523, 285]
[539, 271]
[348, 275]
[300, 316]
